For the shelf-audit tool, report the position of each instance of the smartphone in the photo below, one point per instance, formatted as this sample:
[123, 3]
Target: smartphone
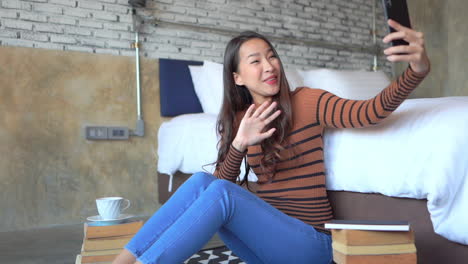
[398, 11]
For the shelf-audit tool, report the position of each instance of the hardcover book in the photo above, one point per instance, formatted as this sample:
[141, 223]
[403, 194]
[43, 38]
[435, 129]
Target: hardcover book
[106, 243]
[406, 258]
[92, 231]
[369, 237]
[376, 225]
[374, 249]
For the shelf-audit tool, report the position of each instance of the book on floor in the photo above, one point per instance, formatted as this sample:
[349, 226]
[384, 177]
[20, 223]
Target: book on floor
[374, 249]
[79, 259]
[376, 225]
[374, 253]
[98, 259]
[105, 243]
[405, 258]
[100, 252]
[370, 237]
[98, 256]
[102, 243]
[96, 231]
[372, 242]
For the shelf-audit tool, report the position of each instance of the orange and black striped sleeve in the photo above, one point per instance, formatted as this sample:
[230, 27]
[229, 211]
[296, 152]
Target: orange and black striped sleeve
[229, 169]
[333, 111]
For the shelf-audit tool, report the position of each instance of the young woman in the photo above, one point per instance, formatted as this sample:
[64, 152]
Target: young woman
[280, 133]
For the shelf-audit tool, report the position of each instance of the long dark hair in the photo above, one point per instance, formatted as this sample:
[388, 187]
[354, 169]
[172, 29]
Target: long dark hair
[237, 98]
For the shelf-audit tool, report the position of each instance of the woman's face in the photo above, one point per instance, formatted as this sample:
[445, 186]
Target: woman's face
[259, 70]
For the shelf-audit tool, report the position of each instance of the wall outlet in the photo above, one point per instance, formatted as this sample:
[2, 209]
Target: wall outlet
[117, 133]
[96, 132]
[104, 132]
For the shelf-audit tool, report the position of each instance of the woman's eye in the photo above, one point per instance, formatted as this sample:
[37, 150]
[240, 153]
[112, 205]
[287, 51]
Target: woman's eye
[255, 61]
[273, 57]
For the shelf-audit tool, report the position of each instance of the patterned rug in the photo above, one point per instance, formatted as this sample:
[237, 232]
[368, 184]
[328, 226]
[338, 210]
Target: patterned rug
[220, 255]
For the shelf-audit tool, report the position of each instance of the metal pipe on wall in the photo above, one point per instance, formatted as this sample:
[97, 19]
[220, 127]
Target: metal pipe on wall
[374, 37]
[137, 58]
[140, 125]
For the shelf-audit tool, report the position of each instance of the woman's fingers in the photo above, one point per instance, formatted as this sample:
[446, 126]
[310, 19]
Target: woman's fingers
[249, 111]
[395, 35]
[397, 26]
[395, 58]
[414, 53]
[252, 125]
[264, 115]
[264, 110]
[268, 133]
[403, 53]
[272, 117]
[401, 49]
[260, 109]
[409, 35]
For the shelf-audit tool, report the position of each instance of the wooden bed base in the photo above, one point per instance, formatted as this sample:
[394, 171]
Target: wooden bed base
[431, 248]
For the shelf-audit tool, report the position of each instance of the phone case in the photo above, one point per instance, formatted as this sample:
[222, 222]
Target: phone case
[398, 11]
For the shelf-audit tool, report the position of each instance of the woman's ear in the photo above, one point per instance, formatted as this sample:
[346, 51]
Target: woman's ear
[237, 79]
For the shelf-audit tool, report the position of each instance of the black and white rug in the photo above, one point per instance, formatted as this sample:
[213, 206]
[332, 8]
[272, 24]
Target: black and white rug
[220, 255]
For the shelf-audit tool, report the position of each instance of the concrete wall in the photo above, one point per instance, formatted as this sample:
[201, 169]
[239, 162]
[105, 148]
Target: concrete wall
[457, 21]
[444, 24]
[49, 173]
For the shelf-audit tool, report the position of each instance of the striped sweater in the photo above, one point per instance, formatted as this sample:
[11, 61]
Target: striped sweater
[298, 186]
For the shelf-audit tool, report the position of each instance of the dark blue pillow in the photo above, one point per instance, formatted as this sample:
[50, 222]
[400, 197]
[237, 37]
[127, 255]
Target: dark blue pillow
[177, 95]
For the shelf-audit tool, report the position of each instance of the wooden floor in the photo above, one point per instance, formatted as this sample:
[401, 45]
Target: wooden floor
[52, 245]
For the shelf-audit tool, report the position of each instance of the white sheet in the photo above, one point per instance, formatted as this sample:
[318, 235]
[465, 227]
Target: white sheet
[188, 143]
[420, 151]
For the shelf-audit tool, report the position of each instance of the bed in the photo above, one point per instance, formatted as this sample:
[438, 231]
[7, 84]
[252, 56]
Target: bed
[413, 166]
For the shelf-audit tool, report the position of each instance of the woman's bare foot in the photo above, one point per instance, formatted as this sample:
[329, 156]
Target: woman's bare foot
[125, 257]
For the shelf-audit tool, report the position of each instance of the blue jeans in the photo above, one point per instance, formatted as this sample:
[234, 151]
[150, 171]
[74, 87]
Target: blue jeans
[254, 230]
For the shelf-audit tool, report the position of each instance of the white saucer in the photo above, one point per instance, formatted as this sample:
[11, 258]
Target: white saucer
[98, 218]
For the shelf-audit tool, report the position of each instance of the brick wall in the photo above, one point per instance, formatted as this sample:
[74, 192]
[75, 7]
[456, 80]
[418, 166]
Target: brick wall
[106, 26]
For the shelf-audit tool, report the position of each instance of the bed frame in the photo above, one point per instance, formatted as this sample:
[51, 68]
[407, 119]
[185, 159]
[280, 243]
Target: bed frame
[431, 248]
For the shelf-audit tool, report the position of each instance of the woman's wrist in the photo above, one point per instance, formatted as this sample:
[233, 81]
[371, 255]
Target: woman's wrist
[239, 145]
[420, 72]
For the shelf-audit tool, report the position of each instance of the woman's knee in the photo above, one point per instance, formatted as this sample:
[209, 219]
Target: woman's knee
[221, 185]
[201, 178]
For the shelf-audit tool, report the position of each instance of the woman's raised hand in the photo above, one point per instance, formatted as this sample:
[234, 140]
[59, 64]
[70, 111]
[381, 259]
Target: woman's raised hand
[251, 129]
[414, 53]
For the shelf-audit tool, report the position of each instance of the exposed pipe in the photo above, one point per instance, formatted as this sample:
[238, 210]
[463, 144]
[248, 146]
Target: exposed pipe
[140, 125]
[137, 64]
[375, 67]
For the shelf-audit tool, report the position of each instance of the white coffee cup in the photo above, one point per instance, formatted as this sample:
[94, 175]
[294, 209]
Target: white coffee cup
[111, 207]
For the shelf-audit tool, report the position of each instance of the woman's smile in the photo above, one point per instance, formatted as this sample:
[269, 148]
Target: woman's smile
[272, 80]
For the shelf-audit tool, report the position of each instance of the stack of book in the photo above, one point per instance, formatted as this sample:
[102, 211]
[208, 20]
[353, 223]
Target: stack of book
[102, 243]
[376, 242]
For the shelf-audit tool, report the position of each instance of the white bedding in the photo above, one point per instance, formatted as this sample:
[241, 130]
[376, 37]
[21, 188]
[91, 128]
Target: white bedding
[187, 143]
[420, 151]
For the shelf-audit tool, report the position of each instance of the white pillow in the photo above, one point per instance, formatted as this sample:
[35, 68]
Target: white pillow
[294, 78]
[208, 85]
[196, 72]
[357, 85]
[214, 73]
